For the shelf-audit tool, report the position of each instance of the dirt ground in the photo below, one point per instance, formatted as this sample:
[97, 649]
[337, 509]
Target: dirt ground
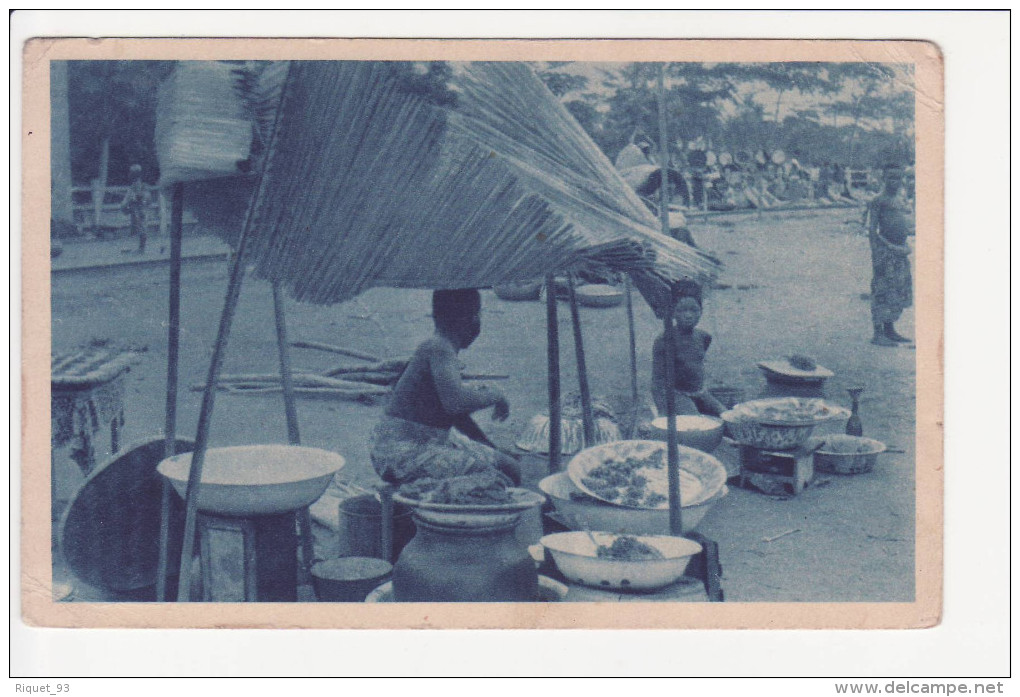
[793, 283]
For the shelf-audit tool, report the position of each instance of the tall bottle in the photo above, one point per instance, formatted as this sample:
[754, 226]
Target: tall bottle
[853, 424]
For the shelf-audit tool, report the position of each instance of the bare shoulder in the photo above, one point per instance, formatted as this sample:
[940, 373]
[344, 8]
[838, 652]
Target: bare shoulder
[435, 350]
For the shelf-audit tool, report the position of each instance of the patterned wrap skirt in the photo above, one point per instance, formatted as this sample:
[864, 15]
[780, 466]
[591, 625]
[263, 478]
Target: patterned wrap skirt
[403, 451]
[891, 285]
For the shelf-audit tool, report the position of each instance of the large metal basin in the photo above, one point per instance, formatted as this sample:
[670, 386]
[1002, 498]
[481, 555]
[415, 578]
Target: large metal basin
[581, 512]
[254, 480]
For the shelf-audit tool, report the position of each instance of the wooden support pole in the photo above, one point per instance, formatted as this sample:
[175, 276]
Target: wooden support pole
[216, 366]
[286, 376]
[172, 363]
[628, 287]
[206, 412]
[553, 342]
[587, 417]
[304, 519]
[663, 155]
[672, 445]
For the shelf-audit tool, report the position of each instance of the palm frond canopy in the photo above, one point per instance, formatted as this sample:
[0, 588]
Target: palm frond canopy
[384, 174]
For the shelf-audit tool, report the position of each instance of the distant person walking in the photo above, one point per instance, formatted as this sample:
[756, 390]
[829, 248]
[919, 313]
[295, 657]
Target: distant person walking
[135, 203]
[890, 221]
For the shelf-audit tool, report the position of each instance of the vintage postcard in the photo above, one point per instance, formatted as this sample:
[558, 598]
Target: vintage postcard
[388, 334]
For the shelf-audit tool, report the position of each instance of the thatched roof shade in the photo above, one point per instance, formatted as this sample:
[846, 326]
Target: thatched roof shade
[468, 177]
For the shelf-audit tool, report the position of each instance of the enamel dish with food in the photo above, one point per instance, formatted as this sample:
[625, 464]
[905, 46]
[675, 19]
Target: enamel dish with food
[633, 473]
[622, 562]
[473, 515]
[747, 431]
[842, 454]
[788, 411]
[578, 511]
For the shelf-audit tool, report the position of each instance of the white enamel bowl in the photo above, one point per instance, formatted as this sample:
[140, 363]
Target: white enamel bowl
[578, 511]
[256, 480]
[576, 558]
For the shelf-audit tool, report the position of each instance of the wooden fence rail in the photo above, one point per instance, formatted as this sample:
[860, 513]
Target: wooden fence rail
[105, 216]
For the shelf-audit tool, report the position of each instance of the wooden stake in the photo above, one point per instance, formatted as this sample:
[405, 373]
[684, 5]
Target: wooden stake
[672, 445]
[633, 357]
[216, 366]
[205, 415]
[172, 362]
[663, 155]
[304, 519]
[286, 377]
[587, 418]
[553, 342]
[318, 345]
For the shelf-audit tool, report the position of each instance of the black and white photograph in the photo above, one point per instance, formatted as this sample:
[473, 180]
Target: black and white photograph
[515, 341]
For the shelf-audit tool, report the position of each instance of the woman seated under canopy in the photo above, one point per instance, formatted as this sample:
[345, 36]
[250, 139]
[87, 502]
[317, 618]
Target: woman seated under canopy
[427, 429]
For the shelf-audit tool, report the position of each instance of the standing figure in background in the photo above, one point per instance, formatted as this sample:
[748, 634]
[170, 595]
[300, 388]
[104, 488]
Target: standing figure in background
[135, 203]
[890, 221]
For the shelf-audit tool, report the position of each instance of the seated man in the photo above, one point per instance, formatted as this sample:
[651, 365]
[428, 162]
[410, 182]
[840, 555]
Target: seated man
[414, 439]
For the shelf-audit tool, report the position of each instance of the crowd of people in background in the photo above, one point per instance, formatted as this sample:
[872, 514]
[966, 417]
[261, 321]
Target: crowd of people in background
[702, 179]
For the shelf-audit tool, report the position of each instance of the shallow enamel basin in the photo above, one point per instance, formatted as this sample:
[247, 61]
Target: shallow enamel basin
[695, 431]
[581, 512]
[253, 480]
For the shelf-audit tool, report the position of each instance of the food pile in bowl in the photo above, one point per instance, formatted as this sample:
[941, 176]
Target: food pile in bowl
[628, 548]
[622, 562]
[841, 454]
[472, 500]
[484, 488]
[579, 511]
[778, 424]
[634, 474]
[789, 411]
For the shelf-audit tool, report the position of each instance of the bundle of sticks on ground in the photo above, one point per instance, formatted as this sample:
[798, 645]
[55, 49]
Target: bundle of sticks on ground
[354, 383]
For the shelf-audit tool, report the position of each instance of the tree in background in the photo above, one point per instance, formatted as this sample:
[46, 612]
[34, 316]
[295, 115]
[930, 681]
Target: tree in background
[113, 118]
[850, 113]
[870, 87]
[694, 92]
[763, 80]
